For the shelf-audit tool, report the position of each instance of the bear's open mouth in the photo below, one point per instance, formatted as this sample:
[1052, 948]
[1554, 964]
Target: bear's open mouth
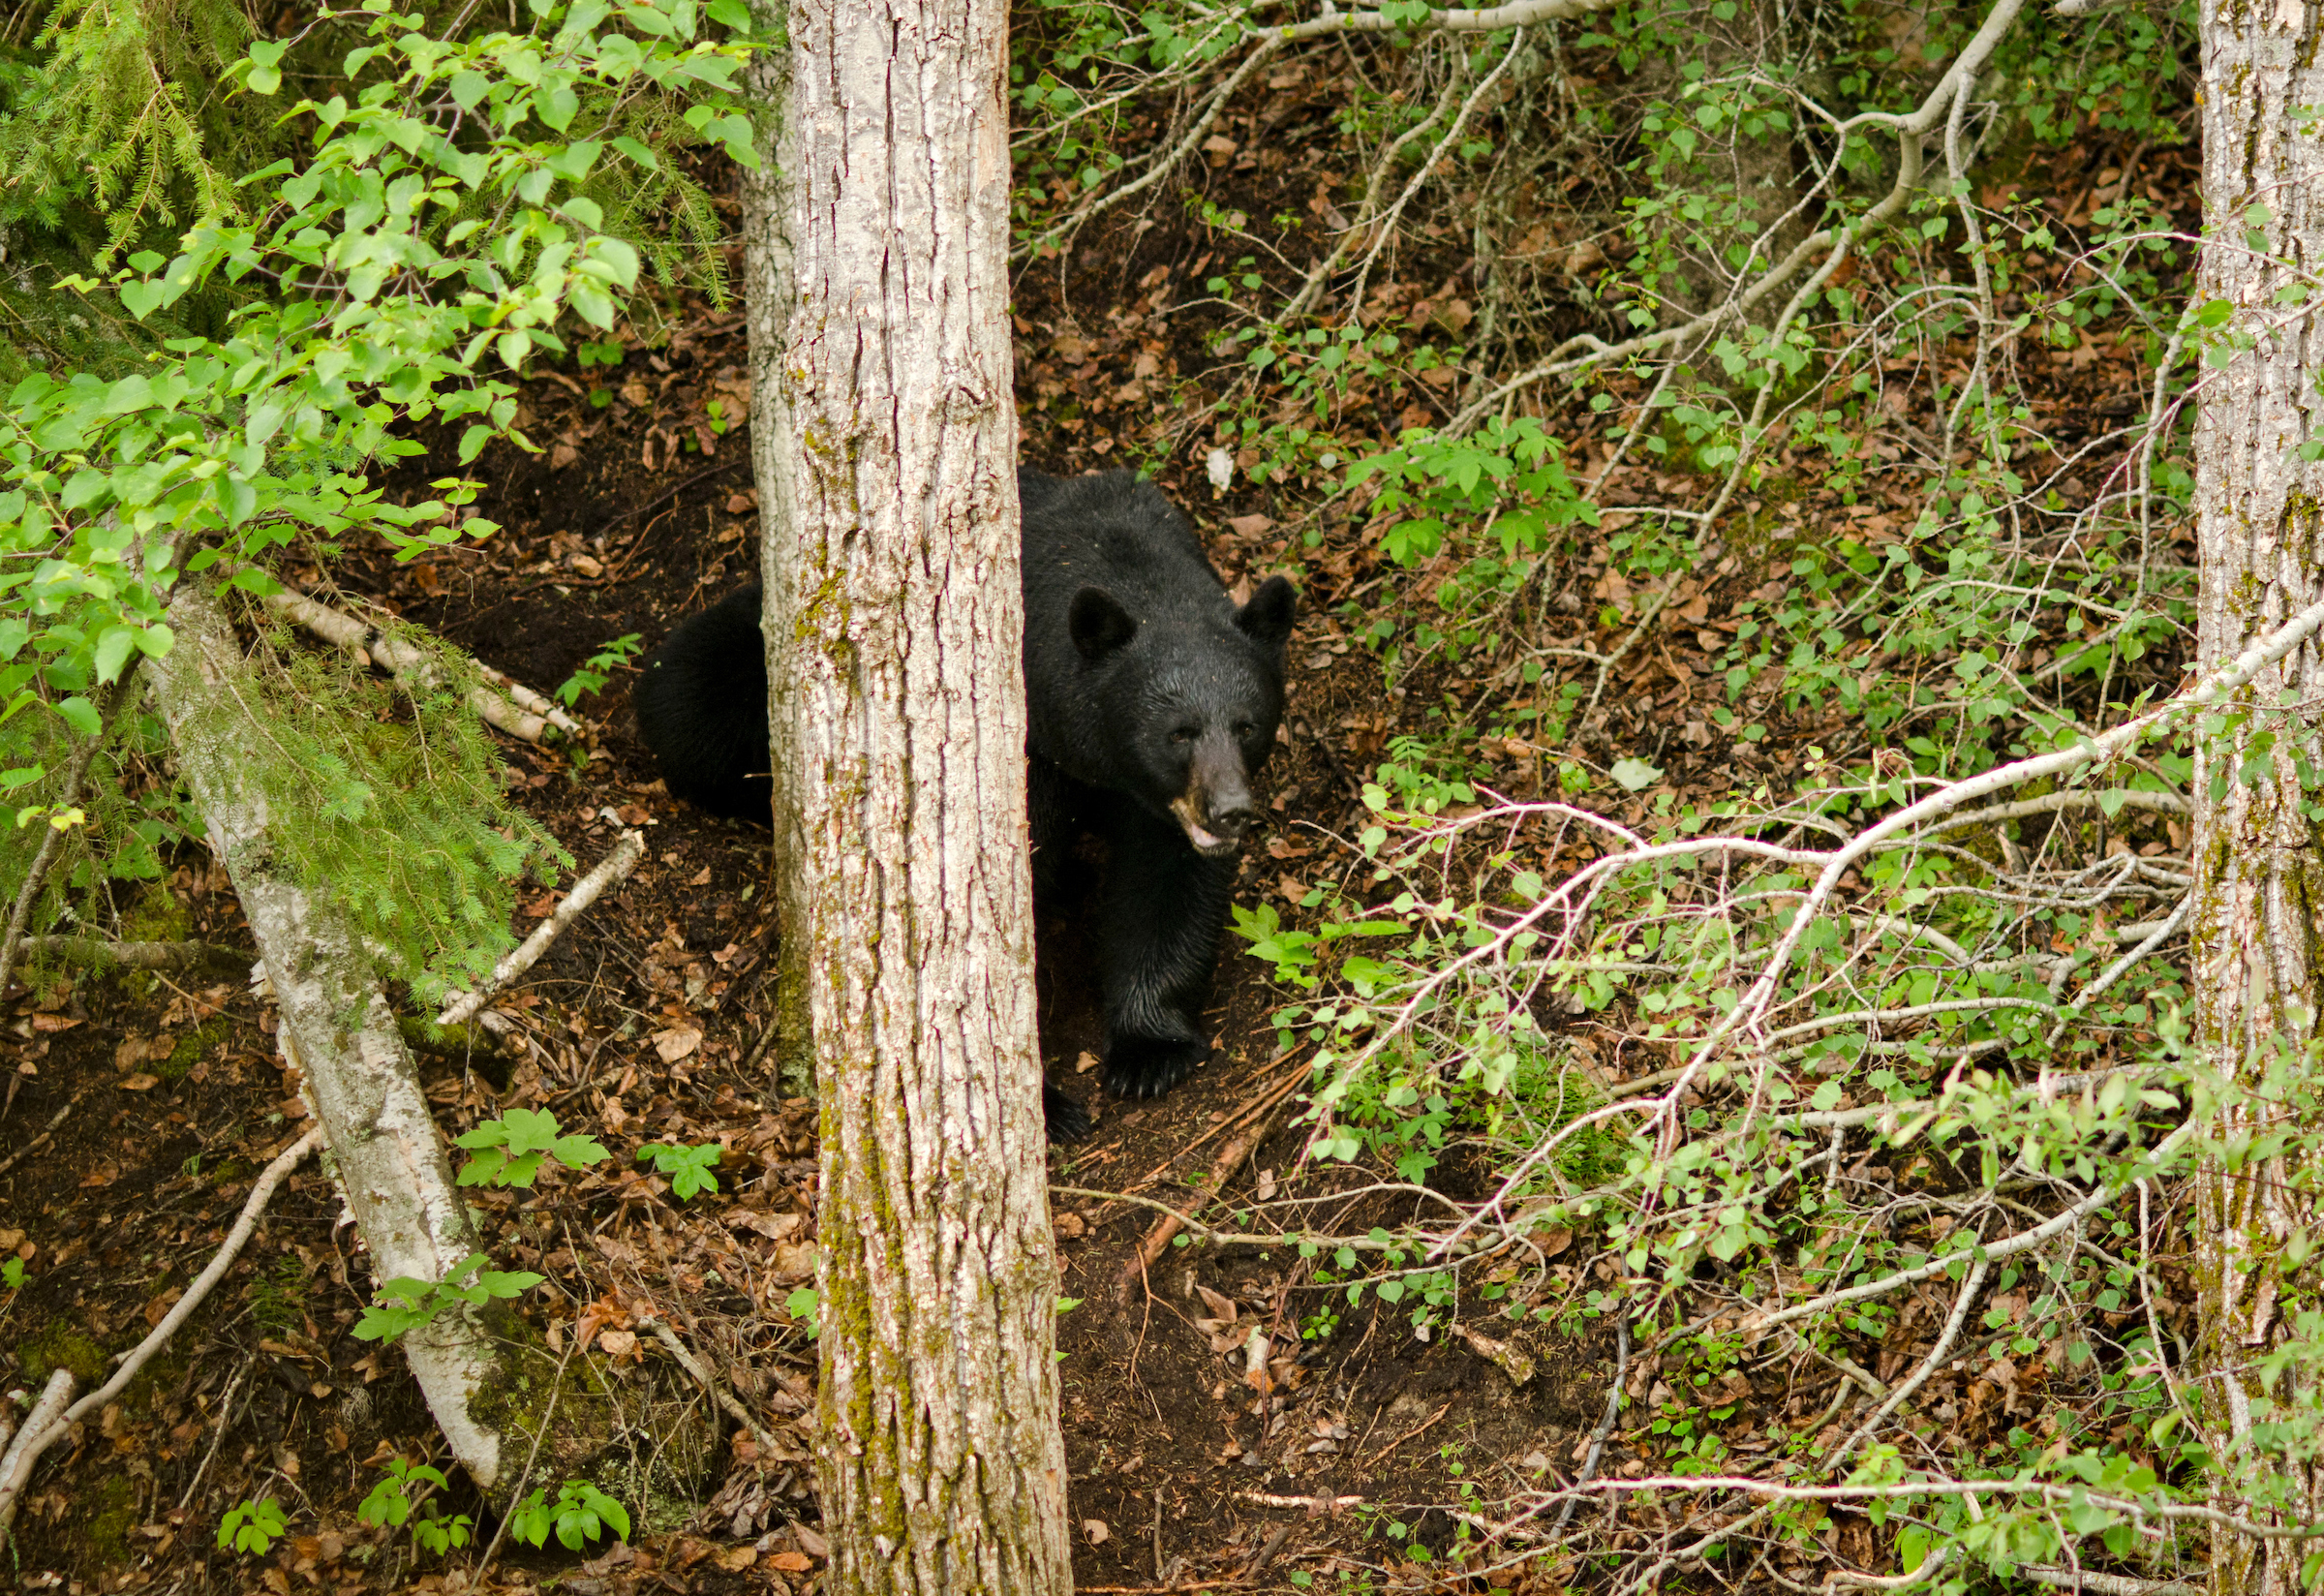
[1207, 842]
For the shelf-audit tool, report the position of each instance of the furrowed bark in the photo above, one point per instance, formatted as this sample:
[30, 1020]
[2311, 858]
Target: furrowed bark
[770, 286]
[2259, 875]
[484, 1373]
[895, 622]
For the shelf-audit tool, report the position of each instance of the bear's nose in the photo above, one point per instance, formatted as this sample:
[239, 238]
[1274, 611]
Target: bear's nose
[1232, 812]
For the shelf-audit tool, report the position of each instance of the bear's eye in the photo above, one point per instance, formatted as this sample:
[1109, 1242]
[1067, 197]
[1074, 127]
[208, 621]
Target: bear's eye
[1243, 731]
[1184, 734]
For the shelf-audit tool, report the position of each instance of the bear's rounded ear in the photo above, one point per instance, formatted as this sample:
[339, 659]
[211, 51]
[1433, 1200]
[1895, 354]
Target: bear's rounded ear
[1098, 624]
[1267, 619]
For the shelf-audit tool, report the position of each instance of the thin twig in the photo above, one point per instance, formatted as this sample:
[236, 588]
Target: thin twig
[52, 837]
[516, 1493]
[262, 1192]
[225, 1422]
[718, 1394]
[30, 1147]
[50, 1421]
[2040, 1489]
[1157, 1240]
[1606, 1425]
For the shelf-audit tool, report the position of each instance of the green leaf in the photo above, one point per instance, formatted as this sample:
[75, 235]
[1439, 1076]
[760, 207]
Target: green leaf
[1636, 774]
[804, 1306]
[80, 714]
[592, 305]
[557, 106]
[618, 254]
[114, 648]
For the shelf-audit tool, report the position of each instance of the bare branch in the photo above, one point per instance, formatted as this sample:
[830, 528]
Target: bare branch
[51, 1418]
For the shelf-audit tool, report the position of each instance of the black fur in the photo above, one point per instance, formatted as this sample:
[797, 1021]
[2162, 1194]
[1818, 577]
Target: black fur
[1145, 687]
[1153, 703]
[701, 703]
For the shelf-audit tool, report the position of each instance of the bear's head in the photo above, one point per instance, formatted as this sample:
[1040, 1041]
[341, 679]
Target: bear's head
[1194, 702]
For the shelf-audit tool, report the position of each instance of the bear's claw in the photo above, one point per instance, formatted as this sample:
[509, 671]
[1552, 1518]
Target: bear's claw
[1147, 1067]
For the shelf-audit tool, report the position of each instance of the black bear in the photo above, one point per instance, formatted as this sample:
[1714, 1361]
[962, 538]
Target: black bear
[702, 708]
[1154, 702]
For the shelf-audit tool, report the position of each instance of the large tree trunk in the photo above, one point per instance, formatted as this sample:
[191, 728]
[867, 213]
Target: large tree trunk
[2259, 872]
[895, 623]
[486, 1377]
[770, 286]
[896, 632]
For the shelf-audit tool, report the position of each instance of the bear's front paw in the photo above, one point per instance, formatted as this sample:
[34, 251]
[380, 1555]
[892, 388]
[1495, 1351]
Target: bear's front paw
[1068, 1120]
[1147, 1066]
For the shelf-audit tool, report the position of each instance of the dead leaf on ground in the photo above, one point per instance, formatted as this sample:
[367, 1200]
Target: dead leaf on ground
[775, 1227]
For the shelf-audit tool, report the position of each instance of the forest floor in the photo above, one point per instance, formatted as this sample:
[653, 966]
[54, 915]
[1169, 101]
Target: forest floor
[644, 1024]
[141, 1107]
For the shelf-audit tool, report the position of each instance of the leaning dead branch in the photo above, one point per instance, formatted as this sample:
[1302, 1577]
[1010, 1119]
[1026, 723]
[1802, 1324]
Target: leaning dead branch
[514, 708]
[613, 868]
[16, 1465]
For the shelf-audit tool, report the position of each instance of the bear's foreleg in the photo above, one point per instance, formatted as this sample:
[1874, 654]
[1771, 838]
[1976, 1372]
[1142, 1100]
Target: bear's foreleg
[1164, 908]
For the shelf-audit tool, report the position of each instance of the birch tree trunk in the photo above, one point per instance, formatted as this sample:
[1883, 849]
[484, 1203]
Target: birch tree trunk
[896, 630]
[486, 1377]
[2259, 875]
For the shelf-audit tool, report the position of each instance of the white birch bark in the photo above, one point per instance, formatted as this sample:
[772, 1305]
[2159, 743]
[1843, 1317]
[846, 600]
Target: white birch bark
[2259, 876]
[895, 624]
[485, 1380]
